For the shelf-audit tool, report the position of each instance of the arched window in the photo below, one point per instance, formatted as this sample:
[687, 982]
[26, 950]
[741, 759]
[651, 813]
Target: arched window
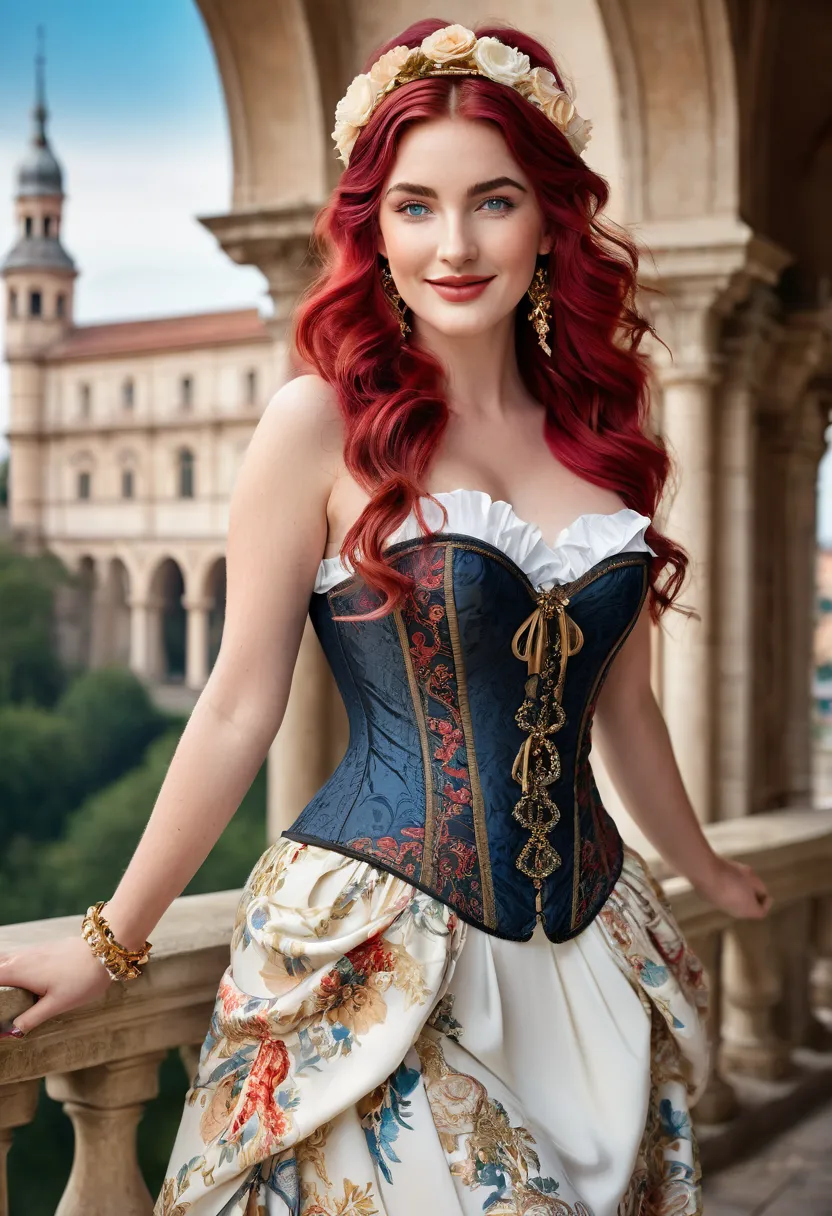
[128, 393]
[127, 483]
[35, 303]
[60, 305]
[251, 387]
[47, 225]
[29, 225]
[84, 399]
[84, 485]
[12, 302]
[186, 392]
[186, 473]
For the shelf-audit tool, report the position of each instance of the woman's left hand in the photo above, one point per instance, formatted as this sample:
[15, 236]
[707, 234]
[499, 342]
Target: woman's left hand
[735, 888]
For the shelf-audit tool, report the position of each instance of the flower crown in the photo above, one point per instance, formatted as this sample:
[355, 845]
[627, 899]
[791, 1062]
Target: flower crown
[455, 51]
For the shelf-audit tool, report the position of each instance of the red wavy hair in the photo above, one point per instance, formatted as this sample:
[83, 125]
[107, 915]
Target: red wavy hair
[594, 388]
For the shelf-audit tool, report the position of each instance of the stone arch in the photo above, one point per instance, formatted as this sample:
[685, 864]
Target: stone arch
[167, 622]
[272, 67]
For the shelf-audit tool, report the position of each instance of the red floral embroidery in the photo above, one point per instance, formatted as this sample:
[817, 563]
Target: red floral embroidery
[269, 1070]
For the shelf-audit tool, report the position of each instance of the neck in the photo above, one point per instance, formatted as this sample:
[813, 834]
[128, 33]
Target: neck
[483, 378]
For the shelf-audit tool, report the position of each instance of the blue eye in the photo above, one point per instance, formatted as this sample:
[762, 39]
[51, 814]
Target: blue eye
[405, 211]
[507, 204]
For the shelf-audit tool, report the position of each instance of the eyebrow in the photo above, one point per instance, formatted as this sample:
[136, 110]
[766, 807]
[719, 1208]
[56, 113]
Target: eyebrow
[479, 188]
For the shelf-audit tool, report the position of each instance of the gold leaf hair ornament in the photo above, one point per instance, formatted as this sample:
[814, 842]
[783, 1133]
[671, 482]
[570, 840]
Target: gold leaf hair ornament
[456, 51]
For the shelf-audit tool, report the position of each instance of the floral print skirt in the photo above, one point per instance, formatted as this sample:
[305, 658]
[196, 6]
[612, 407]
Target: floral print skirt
[372, 1055]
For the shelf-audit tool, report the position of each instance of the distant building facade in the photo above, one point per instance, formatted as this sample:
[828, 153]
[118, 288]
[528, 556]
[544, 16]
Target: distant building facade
[125, 440]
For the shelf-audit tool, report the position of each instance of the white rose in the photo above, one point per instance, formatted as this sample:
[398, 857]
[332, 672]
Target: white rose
[451, 42]
[386, 67]
[502, 63]
[357, 103]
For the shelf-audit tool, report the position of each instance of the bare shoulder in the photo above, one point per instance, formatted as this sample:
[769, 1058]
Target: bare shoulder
[304, 418]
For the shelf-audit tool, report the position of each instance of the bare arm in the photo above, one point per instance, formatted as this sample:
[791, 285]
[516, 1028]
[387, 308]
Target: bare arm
[276, 536]
[633, 740]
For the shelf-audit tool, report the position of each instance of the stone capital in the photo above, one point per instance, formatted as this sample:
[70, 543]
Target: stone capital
[277, 241]
[696, 272]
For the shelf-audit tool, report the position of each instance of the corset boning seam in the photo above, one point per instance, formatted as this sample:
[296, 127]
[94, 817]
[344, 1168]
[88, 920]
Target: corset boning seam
[366, 723]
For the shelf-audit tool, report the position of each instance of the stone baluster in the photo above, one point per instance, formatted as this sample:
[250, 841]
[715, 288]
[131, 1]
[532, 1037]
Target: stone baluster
[719, 1101]
[821, 980]
[105, 1104]
[18, 1103]
[752, 979]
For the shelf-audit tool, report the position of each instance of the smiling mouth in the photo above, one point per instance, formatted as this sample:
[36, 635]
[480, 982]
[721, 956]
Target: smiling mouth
[461, 281]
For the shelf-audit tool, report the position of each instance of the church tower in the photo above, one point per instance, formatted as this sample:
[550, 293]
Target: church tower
[39, 275]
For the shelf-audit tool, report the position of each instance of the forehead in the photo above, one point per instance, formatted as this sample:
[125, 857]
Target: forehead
[451, 153]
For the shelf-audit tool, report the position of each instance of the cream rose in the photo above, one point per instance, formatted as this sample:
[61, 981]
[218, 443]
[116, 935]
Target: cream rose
[451, 42]
[502, 63]
[541, 86]
[345, 135]
[356, 105]
[579, 133]
[385, 68]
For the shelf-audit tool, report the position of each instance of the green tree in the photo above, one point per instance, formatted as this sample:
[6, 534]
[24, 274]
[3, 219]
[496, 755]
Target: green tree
[40, 774]
[114, 720]
[30, 668]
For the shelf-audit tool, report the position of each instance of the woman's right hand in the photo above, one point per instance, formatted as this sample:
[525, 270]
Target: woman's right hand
[63, 974]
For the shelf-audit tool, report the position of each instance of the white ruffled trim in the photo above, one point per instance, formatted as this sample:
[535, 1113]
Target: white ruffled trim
[580, 546]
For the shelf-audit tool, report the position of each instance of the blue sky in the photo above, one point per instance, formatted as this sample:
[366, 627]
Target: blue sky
[137, 120]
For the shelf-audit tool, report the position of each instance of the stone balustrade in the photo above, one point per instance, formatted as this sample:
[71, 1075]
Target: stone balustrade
[771, 982]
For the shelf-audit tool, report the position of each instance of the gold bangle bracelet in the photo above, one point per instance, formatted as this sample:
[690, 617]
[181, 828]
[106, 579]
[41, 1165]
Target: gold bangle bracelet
[121, 963]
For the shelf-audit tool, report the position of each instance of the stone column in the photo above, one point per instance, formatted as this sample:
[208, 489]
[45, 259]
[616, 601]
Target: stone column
[18, 1104]
[806, 450]
[105, 1104]
[688, 321]
[196, 641]
[748, 344]
[794, 417]
[139, 636]
[703, 270]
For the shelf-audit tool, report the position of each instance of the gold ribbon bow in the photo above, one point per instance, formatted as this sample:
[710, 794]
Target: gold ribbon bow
[533, 652]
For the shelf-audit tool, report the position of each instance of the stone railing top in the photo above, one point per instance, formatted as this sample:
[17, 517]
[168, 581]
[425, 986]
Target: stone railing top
[171, 1004]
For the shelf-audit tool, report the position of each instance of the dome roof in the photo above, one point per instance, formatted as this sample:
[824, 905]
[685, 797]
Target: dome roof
[39, 172]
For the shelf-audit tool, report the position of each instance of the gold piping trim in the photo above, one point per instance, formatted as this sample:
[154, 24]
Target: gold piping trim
[576, 868]
[477, 805]
[418, 710]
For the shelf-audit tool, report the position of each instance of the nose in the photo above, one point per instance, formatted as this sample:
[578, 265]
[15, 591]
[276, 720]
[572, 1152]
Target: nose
[456, 241]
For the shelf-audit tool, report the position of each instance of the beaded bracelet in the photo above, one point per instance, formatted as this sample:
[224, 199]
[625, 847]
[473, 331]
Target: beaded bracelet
[122, 964]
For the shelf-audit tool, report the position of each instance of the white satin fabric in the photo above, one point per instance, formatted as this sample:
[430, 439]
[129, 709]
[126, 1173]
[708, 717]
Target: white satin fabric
[563, 1028]
[577, 548]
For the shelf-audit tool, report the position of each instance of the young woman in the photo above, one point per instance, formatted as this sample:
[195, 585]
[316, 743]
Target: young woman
[452, 989]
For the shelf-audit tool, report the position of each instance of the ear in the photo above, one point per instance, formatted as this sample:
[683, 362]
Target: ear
[547, 240]
[382, 248]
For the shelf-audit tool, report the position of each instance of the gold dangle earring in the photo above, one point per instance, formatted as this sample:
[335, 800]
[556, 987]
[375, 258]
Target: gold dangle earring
[397, 303]
[538, 293]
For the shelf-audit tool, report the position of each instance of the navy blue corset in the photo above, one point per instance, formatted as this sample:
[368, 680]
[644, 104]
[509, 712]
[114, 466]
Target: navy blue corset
[470, 710]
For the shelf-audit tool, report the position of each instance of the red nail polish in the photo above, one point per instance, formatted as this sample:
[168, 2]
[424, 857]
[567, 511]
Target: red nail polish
[14, 1032]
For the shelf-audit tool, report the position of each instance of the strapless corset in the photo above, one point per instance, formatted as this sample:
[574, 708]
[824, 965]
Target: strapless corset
[470, 711]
